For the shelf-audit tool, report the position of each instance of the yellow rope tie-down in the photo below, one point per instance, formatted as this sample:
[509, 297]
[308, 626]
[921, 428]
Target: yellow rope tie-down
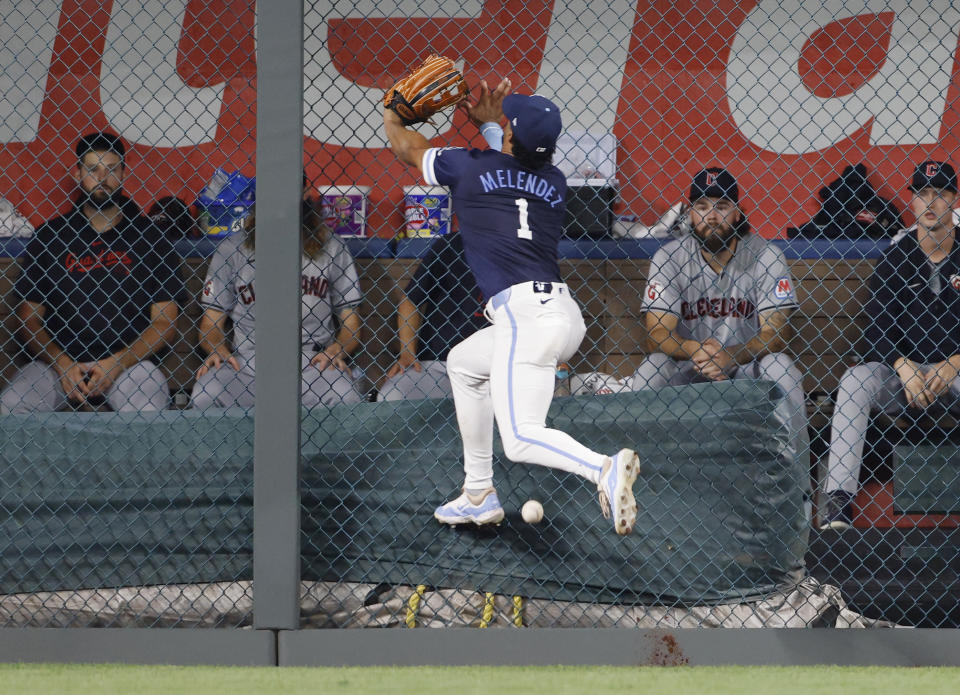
[518, 611]
[413, 605]
[489, 606]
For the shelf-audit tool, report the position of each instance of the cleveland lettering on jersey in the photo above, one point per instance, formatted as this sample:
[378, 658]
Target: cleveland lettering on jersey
[310, 285]
[102, 260]
[717, 307]
[522, 181]
[314, 285]
[246, 294]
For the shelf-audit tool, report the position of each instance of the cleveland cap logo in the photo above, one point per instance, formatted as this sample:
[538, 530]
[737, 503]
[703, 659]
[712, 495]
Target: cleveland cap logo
[711, 178]
[931, 169]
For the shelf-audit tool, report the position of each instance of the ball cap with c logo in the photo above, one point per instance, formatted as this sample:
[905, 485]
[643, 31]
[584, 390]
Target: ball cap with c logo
[714, 182]
[931, 174]
[535, 121]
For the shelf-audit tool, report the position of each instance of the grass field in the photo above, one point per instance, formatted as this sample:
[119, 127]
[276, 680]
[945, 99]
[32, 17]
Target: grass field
[30, 679]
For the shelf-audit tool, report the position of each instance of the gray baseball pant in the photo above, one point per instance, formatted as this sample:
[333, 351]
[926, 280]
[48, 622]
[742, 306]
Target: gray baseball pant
[867, 389]
[432, 382]
[225, 387]
[36, 388]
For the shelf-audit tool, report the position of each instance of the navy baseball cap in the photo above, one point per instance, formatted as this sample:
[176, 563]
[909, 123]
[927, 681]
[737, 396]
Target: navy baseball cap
[714, 182]
[931, 174]
[535, 121]
[100, 142]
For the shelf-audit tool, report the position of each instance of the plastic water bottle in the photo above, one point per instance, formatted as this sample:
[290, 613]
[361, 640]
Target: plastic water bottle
[563, 374]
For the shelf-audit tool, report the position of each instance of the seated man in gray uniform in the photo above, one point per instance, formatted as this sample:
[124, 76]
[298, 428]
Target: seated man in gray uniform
[717, 304]
[330, 295]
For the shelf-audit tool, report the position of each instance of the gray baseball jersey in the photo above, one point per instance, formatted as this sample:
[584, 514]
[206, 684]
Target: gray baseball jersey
[329, 284]
[726, 306]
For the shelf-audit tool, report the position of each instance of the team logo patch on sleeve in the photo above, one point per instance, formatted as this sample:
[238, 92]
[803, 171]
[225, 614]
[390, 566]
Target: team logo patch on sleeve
[653, 290]
[784, 289]
[955, 282]
[208, 288]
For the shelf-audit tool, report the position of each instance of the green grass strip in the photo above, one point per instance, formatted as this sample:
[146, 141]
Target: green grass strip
[47, 679]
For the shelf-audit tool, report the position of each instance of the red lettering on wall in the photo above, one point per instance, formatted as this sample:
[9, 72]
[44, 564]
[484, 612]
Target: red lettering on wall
[673, 117]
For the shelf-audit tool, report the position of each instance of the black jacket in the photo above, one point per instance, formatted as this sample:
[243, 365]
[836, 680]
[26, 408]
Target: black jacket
[851, 209]
[447, 297]
[98, 288]
[904, 317]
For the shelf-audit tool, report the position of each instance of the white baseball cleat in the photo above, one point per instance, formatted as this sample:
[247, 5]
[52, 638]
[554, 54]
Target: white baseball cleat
[615, 490]
[471, 509]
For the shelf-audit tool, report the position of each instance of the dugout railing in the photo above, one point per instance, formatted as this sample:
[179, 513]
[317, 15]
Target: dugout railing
[280, 527]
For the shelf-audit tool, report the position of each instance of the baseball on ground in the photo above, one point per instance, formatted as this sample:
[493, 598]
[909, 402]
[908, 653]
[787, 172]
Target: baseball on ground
[532, 512]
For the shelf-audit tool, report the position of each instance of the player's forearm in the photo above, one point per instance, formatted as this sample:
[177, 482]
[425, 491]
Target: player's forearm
[213, 339]
[949, 369]
[774, 336]
[348, 337]
[160, 333]
[757, 347]
[671, 344]
[408, 324]
[406, 144]
[156, 336]
[40, 343]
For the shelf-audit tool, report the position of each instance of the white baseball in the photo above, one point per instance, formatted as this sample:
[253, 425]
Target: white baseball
[532, 512]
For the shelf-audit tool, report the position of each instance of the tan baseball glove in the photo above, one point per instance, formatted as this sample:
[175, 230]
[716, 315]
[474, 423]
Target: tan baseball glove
[434, 86]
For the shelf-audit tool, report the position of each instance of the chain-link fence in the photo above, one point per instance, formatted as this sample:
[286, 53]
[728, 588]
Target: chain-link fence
[759, 234]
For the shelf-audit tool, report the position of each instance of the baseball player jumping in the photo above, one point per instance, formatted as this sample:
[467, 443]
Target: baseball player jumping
[510, 206]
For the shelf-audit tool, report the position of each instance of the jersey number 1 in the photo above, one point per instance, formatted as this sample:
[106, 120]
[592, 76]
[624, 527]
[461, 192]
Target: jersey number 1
[524, 231]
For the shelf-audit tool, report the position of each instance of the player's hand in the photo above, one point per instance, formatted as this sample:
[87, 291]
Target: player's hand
[712, 361]
[700, 357]
[914, 385]
[214, 360]
[405, 361]
[331, 357]
[940, 376]
[73, 381]
[722, 357]
[935, 384]
[917, 394]
[102, 374]
[489, 106]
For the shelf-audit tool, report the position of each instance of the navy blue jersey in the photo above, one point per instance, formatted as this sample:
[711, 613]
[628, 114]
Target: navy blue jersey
[98, 288]
[511, 217]
[447, 297]
[904, 316]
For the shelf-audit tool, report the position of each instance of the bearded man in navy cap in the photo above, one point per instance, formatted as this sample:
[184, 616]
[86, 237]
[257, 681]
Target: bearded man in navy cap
[912, 338]
[717, 304]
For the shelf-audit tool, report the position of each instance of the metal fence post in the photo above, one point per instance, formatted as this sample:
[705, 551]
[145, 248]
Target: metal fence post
[276, 536]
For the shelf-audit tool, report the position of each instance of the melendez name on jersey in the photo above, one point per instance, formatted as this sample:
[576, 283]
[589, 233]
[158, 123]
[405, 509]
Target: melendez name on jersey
[725, 307]
[511, 218]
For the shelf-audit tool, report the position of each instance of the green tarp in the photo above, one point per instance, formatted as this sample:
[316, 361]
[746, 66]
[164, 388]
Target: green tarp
[98, 500]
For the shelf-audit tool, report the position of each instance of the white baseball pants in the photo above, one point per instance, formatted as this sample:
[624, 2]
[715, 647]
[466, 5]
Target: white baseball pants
[507, 371]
